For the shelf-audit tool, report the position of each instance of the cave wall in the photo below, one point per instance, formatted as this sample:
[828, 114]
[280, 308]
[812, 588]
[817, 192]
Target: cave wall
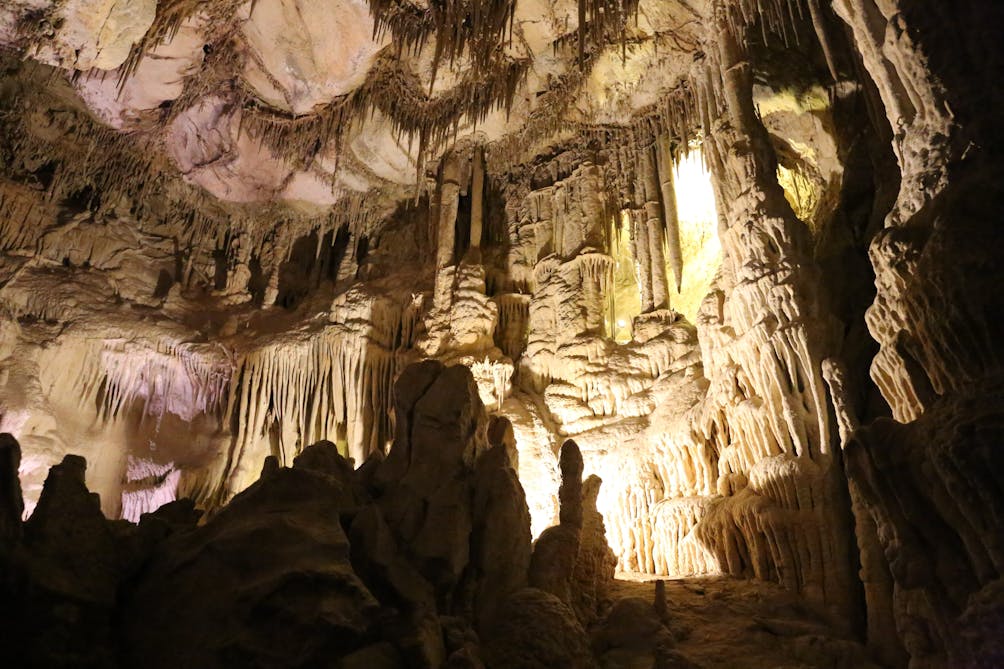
[935, 320]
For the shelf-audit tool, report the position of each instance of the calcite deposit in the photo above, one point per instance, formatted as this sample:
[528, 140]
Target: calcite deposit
[392, 333]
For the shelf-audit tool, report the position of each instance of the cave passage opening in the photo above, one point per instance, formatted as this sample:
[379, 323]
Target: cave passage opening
[697, 216]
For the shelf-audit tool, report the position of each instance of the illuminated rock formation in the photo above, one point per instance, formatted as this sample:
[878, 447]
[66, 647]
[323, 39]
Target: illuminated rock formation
[685, 288]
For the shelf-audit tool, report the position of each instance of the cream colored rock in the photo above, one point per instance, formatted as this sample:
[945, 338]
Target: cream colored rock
[386, 156]
[96, 34]
[211, 152]
[304, 53]
[158, 78]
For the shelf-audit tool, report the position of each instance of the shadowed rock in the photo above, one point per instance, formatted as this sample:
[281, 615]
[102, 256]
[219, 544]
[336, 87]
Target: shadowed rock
[11, 502]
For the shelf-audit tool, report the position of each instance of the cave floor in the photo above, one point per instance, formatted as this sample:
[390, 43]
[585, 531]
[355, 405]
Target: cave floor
[728, 623]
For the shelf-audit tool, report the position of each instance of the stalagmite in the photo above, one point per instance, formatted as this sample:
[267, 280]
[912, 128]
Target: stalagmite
[555, 553]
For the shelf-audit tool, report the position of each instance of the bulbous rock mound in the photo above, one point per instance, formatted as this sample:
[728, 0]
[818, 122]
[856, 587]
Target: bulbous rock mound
[537, 630]
[404, 561]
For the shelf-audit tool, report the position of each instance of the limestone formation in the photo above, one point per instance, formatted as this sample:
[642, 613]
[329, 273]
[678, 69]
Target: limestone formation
[556, 551]
[501, 527]
[415, 575]
[486, 303]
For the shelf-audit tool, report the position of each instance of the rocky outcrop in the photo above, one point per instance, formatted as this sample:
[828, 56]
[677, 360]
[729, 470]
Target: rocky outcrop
[572, 560]
[501, 527]
[595, 563]
[633, 629]
[12, 504]
[536, 629]
[556, 551]
[398, 562]
[62, 576]
[242, 572]
[927, 487]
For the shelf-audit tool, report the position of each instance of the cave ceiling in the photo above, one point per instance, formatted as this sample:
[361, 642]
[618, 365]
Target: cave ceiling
[312, 102]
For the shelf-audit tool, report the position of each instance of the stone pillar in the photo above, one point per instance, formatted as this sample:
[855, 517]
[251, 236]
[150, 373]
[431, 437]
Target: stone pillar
[449, 194]
[664, 163]
[642, 260]
[654, 232]
[477, 196]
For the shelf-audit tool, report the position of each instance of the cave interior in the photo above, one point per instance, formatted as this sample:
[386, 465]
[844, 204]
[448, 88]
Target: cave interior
[501, 334]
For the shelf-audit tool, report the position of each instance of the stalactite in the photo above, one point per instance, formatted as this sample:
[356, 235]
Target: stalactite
[22, 219]
[113, 376]
[511, 331]
[334, 385]
[219, 16]
[477, 196]
[642, 259]
[819, 23]
[127, 168]
[458, 27]
[395, 91]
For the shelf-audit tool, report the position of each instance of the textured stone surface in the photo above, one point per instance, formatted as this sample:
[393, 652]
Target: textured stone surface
[536, 629]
